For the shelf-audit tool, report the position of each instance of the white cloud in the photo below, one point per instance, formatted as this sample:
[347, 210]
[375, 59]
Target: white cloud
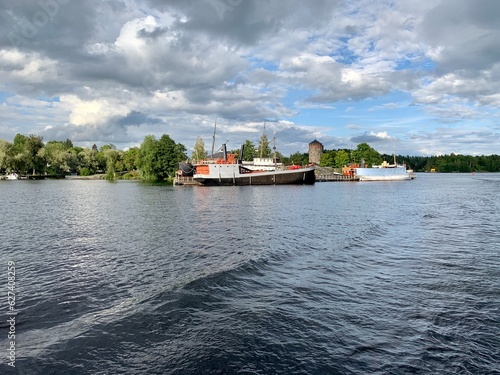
[94, 112]
[172, 67]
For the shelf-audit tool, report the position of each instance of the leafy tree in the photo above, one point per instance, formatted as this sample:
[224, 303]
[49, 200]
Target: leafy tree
[248, 150]
[342, 158]
[88, 161]
[199, 152]
[102, 160]
[148, 158]
[169, 156]
[367, 154]
[58, 157]
[67, 144]
[107, 147]
[297, 158]
[131, 158]
[6, 155]
[19, 143]
[279, 156]
[18, 157]
[112, 156]
[160, 158]
[328, 158]
[34, 159]
[75, 150]
[264, 151]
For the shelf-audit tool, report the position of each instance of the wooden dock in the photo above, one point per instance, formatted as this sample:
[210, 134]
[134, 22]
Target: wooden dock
[185, 180]
[335, 178]
[41, 176]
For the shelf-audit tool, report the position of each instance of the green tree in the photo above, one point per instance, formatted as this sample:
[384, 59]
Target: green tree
[367, 154]
[248, 151]
[58, 157]
[75, 150]
[6, 155]
[264, 151]
[112, 156]
[160, 158]
[148, 158]
[34, 158]
[102, 160]
[342, 158]
[169, 156]
[67, 144]
[19, 143]
[131, 158]
[88, 161]
[328, 158]
[18, 158]
[297, 158]
[199, 152]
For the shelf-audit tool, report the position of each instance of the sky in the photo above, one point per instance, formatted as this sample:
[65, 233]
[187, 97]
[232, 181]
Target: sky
[404, 76]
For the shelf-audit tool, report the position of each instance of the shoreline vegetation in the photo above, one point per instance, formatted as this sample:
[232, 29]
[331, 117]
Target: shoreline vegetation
[157, 160]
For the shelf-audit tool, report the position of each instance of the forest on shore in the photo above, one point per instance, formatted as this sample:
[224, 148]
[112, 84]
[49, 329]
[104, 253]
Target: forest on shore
[155, 159]
[158, 159]
[443, 163]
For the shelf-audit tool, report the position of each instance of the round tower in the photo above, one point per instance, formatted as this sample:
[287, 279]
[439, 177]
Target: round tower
[315, 151]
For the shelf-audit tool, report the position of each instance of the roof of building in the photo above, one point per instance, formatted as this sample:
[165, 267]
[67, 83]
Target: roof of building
[316, 142]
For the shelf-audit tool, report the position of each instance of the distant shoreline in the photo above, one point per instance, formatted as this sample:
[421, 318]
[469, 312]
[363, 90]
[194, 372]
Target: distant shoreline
[92, 177]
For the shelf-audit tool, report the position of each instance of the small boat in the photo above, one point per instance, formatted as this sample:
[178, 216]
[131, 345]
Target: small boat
[12, 176]
[229, 170]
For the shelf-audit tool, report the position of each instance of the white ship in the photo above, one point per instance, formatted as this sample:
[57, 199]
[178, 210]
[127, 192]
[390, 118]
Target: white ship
[383, 172]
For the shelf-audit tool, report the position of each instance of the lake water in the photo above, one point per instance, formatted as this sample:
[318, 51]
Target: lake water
[335, 278]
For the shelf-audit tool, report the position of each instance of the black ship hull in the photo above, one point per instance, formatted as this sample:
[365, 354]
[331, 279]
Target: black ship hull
[299, 177]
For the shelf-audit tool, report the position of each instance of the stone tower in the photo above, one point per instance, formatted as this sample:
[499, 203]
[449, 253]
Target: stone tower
[315, 151]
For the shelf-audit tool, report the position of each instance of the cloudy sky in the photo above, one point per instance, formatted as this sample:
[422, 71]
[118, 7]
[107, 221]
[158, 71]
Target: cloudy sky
[421, 77]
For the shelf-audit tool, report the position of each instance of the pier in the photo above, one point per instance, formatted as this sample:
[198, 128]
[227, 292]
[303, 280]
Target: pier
[185, 180]
[37, 177]
[42, 177]
[329, 174]
[335, 178]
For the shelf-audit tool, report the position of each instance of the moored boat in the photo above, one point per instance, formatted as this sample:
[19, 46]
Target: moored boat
[12, 176]
[383, 172]
[230, 171]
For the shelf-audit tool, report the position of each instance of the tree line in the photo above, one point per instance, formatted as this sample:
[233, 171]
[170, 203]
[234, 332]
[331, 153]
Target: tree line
[443, 163]
[155, 159]
[158, 159]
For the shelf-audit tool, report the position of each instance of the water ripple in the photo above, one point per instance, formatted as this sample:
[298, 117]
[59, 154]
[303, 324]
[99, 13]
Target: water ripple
[325, 279]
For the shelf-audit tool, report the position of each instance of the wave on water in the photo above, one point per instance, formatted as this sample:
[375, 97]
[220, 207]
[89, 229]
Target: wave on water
[223, 281]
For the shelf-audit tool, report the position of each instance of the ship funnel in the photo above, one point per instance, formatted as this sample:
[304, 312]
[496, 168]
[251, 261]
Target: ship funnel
[224, 151]
[241, 153]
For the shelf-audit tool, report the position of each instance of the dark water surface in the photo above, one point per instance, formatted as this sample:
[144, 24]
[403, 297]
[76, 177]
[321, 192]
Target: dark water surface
[335, 278]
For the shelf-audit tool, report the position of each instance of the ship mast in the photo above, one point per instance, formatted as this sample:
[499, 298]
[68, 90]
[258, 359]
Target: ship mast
[274, 152]
[213, 137]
